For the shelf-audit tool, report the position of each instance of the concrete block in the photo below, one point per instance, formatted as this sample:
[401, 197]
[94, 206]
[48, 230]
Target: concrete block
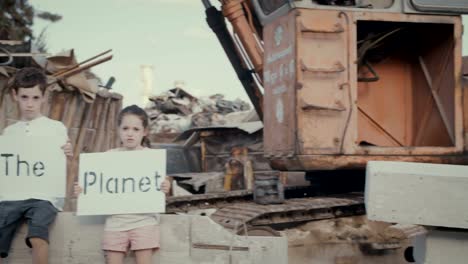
[207, 235]
[443, 246]
[417, 193]
[184, 239]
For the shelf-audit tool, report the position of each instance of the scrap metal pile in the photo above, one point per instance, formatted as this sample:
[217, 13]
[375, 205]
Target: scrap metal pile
[64, 72]
[175, 111]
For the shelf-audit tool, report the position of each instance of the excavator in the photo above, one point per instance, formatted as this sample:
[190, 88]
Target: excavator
[338, 83]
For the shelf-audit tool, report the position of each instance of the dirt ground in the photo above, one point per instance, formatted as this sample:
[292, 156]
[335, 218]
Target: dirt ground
[349, 240]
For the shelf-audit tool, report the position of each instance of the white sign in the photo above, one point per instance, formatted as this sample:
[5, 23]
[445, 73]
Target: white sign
[32, 167]
[122, 182]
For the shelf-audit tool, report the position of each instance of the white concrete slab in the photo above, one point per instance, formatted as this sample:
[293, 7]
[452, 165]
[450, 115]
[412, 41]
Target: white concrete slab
[417, 193]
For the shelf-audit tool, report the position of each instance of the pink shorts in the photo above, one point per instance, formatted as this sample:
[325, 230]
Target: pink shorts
[146, 237]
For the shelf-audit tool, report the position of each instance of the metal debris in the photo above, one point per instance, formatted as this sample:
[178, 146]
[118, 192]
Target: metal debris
[175, 111]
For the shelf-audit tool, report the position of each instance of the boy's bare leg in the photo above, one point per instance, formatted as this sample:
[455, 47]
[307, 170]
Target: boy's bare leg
[114, 257]
[40, 250]
[144, 256]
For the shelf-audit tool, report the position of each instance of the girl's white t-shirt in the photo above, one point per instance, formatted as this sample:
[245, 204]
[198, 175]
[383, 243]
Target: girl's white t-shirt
[124, 222]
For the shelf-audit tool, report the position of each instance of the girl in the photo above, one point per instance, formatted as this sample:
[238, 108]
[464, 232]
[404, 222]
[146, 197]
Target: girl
[139, 232]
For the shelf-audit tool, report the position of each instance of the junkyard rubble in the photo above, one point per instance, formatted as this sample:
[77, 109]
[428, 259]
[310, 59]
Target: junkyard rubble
[175, 111]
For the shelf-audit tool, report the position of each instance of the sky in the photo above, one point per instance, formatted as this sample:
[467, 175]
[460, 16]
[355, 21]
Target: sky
[169, 36]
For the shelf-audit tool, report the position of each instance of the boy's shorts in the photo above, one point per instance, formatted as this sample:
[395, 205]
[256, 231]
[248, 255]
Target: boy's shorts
[39, 214]
[146, 237]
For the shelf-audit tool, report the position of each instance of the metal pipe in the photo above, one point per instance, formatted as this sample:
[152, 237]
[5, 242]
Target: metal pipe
[8, 54]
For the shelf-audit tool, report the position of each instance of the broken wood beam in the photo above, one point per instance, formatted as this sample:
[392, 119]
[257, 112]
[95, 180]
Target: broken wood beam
[81, 63]
[83, 67]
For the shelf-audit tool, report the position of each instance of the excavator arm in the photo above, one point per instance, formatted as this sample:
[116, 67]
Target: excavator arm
[243, 47]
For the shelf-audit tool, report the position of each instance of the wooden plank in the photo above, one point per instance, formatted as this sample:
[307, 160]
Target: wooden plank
[81, 63]
[11, 42]
[3, 98]
[47, 106]
[83, 128]
[465, 111]
[465, 65]
[115, 134]
[82, 68]
[70, 108]
[97, 108]
[99, 143]
[11, 111]
[24, 54]
[111, 123]
[57, 105]
[417, 193]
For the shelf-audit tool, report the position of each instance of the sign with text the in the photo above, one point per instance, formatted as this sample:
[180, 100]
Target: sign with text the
[122, 182]
[32, 167]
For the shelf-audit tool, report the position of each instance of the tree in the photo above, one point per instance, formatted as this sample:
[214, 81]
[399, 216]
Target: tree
[17, 18]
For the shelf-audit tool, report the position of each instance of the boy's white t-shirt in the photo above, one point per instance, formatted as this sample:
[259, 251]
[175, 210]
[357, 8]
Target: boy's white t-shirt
[41, 127]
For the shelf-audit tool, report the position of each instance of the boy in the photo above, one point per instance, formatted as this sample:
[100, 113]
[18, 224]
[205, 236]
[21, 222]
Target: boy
[28, 92]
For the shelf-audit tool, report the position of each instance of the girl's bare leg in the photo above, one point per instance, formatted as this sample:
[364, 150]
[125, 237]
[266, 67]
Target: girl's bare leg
[144, 256]
[114, 257]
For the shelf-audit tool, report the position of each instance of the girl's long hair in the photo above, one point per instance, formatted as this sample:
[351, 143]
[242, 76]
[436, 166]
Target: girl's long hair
[138, 111]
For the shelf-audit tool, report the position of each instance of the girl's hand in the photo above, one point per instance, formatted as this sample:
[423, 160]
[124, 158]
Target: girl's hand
[77, 189]
[166, 186]
[68, 149]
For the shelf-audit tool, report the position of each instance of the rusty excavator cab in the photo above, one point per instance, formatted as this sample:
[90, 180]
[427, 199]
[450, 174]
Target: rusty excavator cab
[348, 81]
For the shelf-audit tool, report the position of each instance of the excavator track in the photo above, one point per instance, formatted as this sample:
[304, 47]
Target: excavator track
[236, 210]
[182, 204]
[292, 211]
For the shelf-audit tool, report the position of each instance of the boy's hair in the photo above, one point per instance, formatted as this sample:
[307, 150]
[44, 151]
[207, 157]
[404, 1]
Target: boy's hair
[28, 78]
[137, 111]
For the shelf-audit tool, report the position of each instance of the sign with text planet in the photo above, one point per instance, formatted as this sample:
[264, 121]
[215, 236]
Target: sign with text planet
[122, 182]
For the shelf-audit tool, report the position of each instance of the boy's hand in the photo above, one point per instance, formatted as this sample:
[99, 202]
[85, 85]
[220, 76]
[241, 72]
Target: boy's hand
[166, 186]
[68, 149]
[77, 190]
